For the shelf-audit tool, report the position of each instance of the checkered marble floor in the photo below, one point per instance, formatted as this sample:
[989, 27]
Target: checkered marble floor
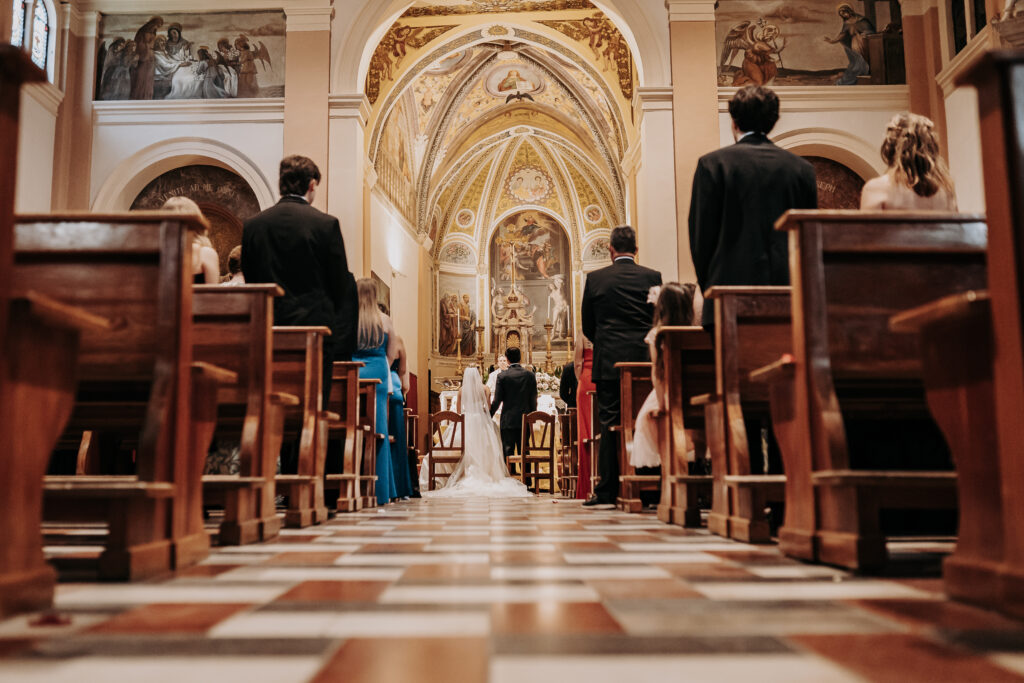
[511, 590]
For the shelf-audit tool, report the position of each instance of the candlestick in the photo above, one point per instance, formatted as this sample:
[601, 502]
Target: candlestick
[480, 346]
[547, 360]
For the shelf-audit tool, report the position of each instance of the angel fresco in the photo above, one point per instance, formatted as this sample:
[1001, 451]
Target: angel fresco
[762, 48]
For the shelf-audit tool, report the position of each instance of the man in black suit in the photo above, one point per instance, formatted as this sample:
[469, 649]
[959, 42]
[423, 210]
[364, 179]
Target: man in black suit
[616, 317]
[738, 193]
[301, 249]
[516, 393]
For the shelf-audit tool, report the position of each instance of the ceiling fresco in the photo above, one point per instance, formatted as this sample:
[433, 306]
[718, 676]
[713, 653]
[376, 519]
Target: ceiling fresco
[432, 8]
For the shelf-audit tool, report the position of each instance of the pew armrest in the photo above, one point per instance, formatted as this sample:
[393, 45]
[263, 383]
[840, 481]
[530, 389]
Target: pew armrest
[231, 481]
[946, 309]
[68, 317]
[330, 416]
[283, 399]
[704, 399]
[213, 373]
[88, 486]
[885, 478]
[783, 368]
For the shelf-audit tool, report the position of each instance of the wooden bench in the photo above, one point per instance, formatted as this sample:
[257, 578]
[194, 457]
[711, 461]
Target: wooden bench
[137, 380]
[752, 329]
[568, 471]
[298, 370]
[851, 387]
[690, 372]
[372, 439]
[413, 460]
[232, 328]
[634, 386]
[446, 444]
[592, 440]
[347, 431]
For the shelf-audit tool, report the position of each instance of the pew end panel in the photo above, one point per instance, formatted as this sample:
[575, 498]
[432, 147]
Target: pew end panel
[344, 401]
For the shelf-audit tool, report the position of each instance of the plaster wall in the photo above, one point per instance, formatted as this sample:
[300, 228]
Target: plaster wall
[965, 149]
[36, 133]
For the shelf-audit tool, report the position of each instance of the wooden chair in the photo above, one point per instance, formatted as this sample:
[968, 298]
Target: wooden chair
[690, 373]
[298, 358]
[752, 329]
[372, 438]
[413, 453]
[232, 328]
[635, 385]
[568, 471]
[138, 380]
[538, 450]
[344, 401]
[591, 441]
[850, 272]
[447, 443]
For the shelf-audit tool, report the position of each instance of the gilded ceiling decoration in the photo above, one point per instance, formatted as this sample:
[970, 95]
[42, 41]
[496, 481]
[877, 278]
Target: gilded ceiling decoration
[450, 8]
[607, 45]
[393, 47]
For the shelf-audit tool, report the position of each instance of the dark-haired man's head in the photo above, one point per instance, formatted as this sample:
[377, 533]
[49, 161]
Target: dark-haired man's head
[622, 242]
[514, 355]
[299, 176]
[754, 109]
[235, 260]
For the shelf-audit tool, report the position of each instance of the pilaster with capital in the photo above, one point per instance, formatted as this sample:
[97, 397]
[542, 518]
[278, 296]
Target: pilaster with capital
[922, 45]
[75, 74]
[352, 179]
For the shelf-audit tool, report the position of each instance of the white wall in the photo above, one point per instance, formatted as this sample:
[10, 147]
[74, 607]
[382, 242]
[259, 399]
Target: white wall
[965, 149]
[392, 248]
[36, 134]
[130, 139]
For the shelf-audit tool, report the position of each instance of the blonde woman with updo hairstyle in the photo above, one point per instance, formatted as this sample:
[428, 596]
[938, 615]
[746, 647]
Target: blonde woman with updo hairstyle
[205, 261]
[918, 178]
[378, 348]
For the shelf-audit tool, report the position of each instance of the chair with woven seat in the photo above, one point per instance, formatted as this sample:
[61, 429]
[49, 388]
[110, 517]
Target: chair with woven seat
[446, 444]
[568, 471]
[538, 450]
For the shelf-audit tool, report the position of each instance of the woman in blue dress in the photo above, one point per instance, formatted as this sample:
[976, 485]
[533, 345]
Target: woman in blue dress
[378, 346]
[396, 423]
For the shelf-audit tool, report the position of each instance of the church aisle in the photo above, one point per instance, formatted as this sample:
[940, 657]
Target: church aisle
[511, 590]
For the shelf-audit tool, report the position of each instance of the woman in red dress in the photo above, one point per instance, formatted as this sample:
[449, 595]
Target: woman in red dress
[584, 362]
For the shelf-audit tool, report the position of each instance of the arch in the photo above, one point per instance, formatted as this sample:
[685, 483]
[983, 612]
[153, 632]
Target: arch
[635, 19]
[138, 170]
[856, 153]
[487, 235]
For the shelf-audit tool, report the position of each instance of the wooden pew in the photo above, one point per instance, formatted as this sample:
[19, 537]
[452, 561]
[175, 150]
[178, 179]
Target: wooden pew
[298, 370]
[690, 372]
[752, 329]
[568, 472]
[635, 385]
[138, 380]
[344, 402]
[232, 328]
[592, 441]
[850, 272]
[371, 442]
[413, 463]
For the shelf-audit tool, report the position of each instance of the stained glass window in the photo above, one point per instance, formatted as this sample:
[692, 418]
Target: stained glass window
[18, 30]
[40, 35]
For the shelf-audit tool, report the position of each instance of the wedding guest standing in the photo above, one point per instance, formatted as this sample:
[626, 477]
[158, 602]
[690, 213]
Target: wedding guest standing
[377, 349]
[398, 390]
[616, 315]
[301, 249]
[738, 193]
[917, 178]
[583, 363]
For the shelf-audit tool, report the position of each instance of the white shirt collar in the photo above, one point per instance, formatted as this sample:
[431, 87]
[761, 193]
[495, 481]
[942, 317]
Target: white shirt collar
[626, 257]
[747, 135]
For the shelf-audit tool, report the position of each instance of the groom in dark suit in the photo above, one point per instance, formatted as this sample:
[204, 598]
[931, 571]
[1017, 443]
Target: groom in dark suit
[616, 317]
[516, 392]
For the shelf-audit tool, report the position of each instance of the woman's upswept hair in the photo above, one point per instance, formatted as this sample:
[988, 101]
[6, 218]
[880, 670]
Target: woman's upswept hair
[911, 150]
[371, 325]
[675, 305]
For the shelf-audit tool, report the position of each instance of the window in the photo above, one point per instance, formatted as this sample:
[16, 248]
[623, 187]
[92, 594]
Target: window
[967, 18]
[31, 31]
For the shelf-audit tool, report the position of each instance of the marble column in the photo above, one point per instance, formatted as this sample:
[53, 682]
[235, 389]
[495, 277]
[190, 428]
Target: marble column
[695, 105]
[307, 83]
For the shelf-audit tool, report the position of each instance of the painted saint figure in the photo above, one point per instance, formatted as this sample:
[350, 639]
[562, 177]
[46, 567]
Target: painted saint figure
[142, 75]
[853, 37]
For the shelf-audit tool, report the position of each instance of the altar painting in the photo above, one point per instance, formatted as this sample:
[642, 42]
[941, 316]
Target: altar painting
[457, 314]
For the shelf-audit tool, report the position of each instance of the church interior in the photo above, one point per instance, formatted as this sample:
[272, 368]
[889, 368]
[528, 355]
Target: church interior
[477, 155]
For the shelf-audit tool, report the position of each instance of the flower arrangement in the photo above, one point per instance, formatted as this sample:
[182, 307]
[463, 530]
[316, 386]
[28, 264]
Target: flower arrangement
[546, 383]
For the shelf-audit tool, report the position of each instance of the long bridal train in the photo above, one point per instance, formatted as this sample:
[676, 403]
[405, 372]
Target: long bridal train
[482, 471]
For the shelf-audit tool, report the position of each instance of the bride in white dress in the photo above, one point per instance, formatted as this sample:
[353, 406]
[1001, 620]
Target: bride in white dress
[482, 471]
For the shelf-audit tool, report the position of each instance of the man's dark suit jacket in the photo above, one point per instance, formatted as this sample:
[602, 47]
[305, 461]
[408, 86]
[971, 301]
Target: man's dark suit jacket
[616, 316]
[301, 249]
[738, 193]
[568, 384]
[516, 388]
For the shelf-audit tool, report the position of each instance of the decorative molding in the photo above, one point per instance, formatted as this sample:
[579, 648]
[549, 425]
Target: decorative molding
[308, 18]
[631, 158]
[83, 24]
[349, 106]
[987, 39]
[369, 175]
[655, 98]
[690, 10]
[189, 6]
[832, 98]
[854, 152]
[46, 94]
[156, 112]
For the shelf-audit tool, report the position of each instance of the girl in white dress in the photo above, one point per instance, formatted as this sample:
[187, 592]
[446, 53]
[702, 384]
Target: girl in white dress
[673, 305]
[482, 470]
